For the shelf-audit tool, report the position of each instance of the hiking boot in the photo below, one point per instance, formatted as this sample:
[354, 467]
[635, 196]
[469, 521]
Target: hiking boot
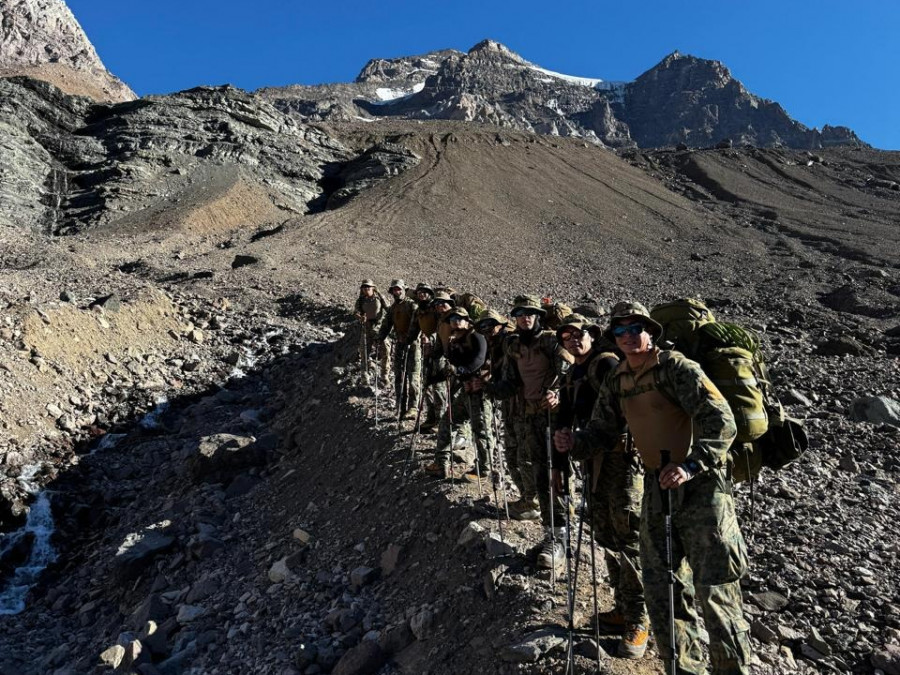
[471, 475]
[460, 442]
[612, 619]
[410, 414]
[437, 470]
[524, 509]
[553, 552]
[634, 643]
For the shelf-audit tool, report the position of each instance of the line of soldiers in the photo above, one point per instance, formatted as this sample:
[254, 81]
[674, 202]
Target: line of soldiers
[653, 449]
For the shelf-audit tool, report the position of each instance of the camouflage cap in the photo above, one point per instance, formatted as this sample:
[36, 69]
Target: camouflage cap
[488, 319]
[424, 288]
[442, 296]
[632, 310]
[457, 313]
[578, 322]
[397, 283]
[367, 283]
[525, 304]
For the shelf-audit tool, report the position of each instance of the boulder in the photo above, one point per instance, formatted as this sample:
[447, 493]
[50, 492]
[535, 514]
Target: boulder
[876, 409]
[365, 658]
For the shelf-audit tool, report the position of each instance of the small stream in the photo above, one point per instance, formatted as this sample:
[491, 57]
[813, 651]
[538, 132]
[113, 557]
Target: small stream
[38, 527]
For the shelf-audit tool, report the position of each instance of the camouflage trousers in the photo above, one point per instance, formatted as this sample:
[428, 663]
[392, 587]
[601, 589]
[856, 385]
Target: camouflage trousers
[407, 375]
[615, 511]
[372, 351]
[474, 408]
[709, 557]
[532, 461]
[511, 453]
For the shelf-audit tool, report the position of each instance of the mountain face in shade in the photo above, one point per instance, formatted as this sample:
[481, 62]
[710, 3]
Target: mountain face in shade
[43, 40]
[695, 101]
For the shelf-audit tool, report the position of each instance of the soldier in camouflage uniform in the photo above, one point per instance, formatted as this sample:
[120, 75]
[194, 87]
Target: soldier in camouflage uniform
[495, 328]
[466, 364]
[424, 328]
[532, 367]
[370, 309]
[616, 483]
[672, 407]
[407, 354]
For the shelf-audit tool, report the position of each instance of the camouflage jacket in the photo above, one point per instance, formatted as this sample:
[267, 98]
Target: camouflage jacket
[510, 383]
[399, 318]
[377, 300]
[683, 383]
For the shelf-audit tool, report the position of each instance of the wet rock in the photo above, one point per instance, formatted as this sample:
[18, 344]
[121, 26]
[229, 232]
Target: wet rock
[532, 646]
[364, 659]
[875, 409]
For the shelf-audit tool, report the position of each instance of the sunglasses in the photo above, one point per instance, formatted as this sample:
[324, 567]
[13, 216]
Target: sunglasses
[572, 335]
[630, 329]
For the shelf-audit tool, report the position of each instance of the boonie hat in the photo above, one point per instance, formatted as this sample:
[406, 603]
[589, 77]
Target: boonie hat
[527, 304]
[632, 310]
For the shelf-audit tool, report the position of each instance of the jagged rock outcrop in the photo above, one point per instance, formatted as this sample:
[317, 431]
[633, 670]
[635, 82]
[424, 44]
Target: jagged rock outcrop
[42, 39]
[684, 99]
[494, 85]
[380, 79]
[75, 165]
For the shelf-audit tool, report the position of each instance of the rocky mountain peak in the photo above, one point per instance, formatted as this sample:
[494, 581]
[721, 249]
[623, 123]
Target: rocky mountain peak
[404, 70]
[43, 39]
[690, 72]
[494, 49]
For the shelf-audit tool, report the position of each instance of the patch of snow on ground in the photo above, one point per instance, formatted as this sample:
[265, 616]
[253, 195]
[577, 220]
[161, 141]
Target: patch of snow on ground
[388, 95]
[583, 81]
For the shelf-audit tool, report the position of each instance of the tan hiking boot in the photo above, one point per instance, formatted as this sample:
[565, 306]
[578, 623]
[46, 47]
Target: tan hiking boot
[612, 619]
[553, 550]
[471, 475]
[410, 414]
[634, 642]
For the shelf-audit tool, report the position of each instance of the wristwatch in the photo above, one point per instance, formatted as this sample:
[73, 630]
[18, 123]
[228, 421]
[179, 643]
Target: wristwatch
[693, 467]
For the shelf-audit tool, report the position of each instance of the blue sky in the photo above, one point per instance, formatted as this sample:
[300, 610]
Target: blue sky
[826, 62]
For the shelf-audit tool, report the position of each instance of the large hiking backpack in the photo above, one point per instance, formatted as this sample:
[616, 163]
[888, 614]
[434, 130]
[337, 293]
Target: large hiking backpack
[730, 356]
[556, 313]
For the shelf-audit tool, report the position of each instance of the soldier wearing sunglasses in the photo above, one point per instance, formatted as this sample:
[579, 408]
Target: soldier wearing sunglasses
[682, 428]
[616, 483]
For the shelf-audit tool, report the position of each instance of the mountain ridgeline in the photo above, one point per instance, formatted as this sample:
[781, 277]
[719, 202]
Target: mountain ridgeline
[681, 100]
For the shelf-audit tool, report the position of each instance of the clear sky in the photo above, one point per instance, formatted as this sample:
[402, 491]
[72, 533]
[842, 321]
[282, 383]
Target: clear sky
[826, 61]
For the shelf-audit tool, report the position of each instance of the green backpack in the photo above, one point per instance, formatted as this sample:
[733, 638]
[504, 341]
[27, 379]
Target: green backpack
[730, 356]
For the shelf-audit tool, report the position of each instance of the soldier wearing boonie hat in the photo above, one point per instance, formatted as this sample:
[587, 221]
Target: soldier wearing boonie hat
[531, 374]
[370, 308]
[615, 486]
[682, 428]
[407, 354]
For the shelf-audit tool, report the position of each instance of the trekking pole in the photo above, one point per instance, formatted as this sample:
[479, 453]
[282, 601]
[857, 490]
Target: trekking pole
[402, 353]
[550, 488]
[570, 582]
[477, 462]
[450, 422]
[364, 367]
[665, 457]
[501, 462]
[377, 356]
[587, 494]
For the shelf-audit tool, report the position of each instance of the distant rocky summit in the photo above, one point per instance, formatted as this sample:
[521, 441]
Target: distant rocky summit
[43, 40]
[683, 99]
